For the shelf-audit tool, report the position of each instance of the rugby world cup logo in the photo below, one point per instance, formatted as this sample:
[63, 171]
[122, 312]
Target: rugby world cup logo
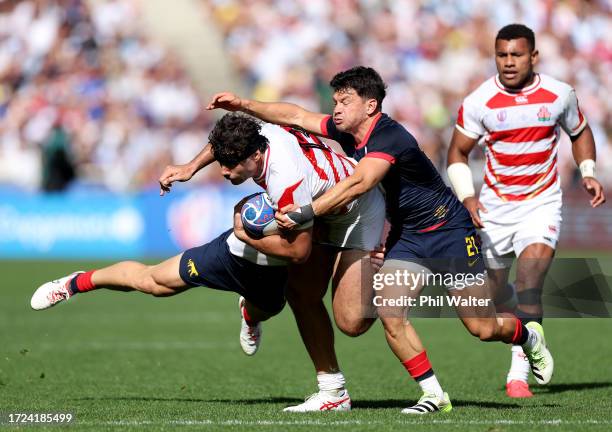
[501, 116]
[253, 210]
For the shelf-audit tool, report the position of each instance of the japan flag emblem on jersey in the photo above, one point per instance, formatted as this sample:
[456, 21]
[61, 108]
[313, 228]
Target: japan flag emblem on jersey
[543, 114]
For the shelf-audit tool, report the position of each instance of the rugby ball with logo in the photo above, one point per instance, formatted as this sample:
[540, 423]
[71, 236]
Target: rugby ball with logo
[258, 216]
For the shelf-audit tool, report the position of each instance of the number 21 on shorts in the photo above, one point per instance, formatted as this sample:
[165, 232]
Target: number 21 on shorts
[470, 245]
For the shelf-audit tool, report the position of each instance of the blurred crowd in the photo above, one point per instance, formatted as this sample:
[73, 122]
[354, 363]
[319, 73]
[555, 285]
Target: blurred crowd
[85, 95]
[431, 53]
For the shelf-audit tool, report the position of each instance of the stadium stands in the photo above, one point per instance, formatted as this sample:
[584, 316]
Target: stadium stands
[430, 52]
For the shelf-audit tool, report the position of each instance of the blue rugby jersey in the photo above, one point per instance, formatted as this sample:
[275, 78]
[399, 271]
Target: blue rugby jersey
[417, 198]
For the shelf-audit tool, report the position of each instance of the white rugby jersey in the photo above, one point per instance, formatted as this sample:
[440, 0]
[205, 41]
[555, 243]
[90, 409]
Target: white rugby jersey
[298, 168]
[520, 132]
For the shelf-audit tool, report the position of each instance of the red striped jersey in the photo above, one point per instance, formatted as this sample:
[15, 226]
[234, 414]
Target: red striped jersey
[298, 168]
[520, 132]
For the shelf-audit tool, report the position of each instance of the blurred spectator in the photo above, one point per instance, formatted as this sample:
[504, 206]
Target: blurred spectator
[431, 53]
[125, 106]
[85, 92]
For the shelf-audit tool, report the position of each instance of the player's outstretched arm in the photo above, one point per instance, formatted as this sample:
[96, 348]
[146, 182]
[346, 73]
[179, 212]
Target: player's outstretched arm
[281, 113]
[184, 172]
[368, 173]
[583, 149]
[460, 175]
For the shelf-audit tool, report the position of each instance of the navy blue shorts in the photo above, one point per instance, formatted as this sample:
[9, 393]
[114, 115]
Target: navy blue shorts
[213, 265]
[453, 250]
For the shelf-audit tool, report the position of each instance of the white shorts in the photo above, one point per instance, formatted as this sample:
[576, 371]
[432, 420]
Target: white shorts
[361, 228]
[500, 241]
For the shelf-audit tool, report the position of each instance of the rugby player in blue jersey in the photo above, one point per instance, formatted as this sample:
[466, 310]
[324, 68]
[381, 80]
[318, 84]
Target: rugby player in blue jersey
[430, 228]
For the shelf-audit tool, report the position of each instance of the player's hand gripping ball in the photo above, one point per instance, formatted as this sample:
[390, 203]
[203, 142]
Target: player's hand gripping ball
[258, 216]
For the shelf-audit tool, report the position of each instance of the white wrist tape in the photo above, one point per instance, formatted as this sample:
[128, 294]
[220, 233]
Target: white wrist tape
[587, 168]
[460, 176]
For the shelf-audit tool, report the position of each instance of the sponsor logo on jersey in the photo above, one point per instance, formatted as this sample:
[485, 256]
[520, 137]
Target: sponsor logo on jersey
[192, 268]
[441, 212]
[543, 114]
[501, 116]
[521, 99]
[552, 228]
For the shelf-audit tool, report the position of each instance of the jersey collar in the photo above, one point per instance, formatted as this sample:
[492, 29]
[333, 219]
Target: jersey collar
[537, 81]
[367, 136]
[261, 179]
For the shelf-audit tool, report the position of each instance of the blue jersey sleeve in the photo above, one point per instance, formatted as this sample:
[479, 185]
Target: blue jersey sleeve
[392, 146]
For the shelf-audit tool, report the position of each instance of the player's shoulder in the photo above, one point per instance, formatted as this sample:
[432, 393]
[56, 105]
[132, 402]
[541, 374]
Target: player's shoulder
[481, 94]
[280, 141]
[390, 133]
[391, 128]
[275, 134]
[554, 85]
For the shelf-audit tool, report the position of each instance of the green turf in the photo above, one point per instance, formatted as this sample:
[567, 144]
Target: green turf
[131, 362]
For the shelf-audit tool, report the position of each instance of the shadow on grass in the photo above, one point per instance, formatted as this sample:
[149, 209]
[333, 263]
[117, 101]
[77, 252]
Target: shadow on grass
[361, 403]
[271, 400]
[403, 403]
[560, 388]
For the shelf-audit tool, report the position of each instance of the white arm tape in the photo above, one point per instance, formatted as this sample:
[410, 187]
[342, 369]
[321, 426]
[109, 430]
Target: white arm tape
[460, 176]
[587, 168]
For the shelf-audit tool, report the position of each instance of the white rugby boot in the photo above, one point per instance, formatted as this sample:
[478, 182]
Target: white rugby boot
[52, 293]
[250, 336]
[429, 403]
[324, 401]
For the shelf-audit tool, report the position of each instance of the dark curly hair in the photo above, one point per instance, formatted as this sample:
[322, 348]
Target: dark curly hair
[366, 82]
[235, 137]
[516, 31]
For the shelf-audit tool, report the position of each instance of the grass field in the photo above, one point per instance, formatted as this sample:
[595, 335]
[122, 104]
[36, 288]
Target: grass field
[132, 362]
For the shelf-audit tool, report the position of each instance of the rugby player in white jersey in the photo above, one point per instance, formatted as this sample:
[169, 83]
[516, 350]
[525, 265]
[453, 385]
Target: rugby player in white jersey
[294, 168]
[518, 115]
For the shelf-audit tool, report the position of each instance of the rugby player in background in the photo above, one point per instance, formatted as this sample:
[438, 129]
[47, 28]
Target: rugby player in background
[427, 220]
[518, 114]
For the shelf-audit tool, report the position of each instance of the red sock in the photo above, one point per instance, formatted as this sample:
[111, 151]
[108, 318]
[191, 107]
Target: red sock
[247, 318]
[521, 333]
[82, 282]
[418, 366]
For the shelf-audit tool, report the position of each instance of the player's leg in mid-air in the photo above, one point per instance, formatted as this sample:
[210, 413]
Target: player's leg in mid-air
[483, 321]
[456, 251]
[223, 271]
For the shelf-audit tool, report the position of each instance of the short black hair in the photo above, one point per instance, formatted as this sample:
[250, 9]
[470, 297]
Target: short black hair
[364, 80]
[235, 137]
[516, 31]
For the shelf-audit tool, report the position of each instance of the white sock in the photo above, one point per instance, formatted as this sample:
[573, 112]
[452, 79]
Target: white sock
[532, 339]
[519, 368]
[431, 386]
[331, 383]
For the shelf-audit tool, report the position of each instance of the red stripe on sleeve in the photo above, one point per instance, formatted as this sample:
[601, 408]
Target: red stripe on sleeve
[381, 155]
[460, 116]
[324, 126]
